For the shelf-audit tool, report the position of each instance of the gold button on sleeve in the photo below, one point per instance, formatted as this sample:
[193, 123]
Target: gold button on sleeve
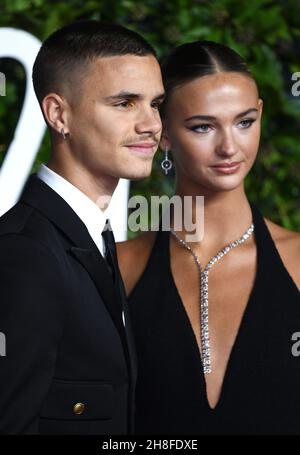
[78, 408]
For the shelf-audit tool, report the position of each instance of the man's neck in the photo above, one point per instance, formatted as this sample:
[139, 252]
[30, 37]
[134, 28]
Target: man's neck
[98, 188]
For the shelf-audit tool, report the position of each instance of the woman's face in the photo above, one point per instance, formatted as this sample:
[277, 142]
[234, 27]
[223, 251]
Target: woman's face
[211, 121]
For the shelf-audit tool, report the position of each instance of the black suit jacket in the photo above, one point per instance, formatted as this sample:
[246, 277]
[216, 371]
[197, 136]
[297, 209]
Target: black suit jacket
[61, 314]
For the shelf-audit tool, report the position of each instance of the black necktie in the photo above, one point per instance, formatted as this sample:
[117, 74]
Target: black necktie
[110, 249]
[112, 261]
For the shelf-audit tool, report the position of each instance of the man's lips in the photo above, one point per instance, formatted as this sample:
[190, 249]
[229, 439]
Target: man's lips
[146, 145]
[146, 148]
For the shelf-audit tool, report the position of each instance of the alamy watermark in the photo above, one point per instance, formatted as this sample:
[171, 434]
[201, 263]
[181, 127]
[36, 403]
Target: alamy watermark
[182, 214]
[296, 86]
[2, 345]
[2, 84]
[296, 346]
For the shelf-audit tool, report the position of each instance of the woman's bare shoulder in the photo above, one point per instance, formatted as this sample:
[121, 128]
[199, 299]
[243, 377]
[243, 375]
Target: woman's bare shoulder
[133, 256]
[288, 245]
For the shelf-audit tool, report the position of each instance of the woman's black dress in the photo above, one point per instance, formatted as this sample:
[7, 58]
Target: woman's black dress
[261, 388]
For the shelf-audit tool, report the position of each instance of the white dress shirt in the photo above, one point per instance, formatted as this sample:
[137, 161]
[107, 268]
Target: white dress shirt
[90, 214]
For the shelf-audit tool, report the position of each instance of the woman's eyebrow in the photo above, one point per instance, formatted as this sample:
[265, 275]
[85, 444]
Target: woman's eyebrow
[248, 111]
[211, 117]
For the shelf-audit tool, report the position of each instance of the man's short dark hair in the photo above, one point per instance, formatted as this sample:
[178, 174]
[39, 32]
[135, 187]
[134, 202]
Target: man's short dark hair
[67, 52]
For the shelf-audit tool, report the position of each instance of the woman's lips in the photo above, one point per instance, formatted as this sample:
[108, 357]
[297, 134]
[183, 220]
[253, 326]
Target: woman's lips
[226, 168]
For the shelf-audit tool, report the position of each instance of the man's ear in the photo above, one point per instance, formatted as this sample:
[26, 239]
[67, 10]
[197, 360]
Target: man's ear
[55, 112]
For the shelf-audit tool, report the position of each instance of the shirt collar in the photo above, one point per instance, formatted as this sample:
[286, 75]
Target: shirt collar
[90, 214]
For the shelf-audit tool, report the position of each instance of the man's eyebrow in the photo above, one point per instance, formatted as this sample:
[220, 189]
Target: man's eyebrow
[131, 96]
[160, 97]
[123, 94]
[211, 117]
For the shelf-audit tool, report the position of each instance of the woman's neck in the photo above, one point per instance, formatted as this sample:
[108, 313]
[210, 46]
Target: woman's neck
[226, 215]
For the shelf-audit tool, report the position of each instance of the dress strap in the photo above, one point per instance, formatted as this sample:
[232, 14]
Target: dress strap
[268, 255]
[157, 264]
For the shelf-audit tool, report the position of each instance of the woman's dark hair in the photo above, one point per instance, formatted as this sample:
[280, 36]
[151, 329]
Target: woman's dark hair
[67, 52]
[197, 59]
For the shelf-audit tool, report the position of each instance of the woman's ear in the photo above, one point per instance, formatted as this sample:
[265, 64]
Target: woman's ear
[260, 107]
[165, 143]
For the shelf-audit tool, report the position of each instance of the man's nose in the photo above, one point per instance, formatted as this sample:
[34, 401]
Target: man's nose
[148, 122]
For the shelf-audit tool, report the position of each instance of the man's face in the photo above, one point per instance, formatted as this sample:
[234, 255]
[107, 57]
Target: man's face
[114, 121]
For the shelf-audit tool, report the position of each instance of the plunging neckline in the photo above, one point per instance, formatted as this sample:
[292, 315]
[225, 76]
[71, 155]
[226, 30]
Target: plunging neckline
[237, 338]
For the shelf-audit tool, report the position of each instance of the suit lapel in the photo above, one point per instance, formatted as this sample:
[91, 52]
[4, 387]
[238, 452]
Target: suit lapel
[40, 196]
[97, 269]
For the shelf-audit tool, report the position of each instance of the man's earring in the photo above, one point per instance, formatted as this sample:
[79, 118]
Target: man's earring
[166, 164]
[62, 132]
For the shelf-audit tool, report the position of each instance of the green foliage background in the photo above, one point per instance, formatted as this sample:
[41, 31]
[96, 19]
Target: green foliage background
[266, 33]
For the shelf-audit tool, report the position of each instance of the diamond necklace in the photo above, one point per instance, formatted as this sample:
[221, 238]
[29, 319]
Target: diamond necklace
[203, 275]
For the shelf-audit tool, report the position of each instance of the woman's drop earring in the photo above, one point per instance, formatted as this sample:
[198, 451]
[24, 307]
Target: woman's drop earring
[166, 164]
